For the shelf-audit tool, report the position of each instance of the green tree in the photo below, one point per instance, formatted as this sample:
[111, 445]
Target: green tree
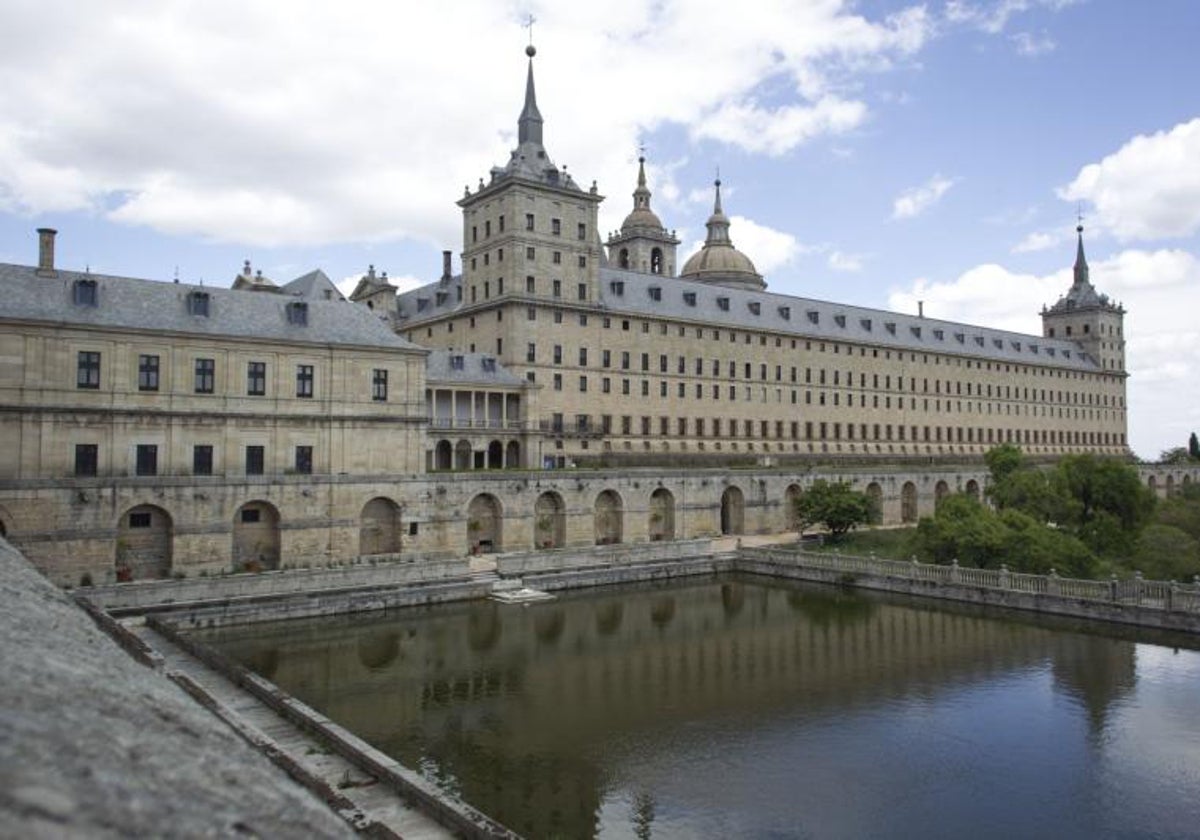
[1003, 460]
[1194, 447]
[1164, 552]
[1032, 547]
[1034, 492]
[834, 505]
[1175, 455]
[962, 529]
[1110, 503]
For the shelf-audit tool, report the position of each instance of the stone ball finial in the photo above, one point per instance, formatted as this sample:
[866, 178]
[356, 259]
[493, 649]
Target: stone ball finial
[531, 51]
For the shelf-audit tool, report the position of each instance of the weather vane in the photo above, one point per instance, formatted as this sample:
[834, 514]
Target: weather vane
[530, 20]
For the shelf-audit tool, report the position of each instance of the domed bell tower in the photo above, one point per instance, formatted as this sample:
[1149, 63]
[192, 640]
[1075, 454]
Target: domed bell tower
[1091, 320]
[643, 244]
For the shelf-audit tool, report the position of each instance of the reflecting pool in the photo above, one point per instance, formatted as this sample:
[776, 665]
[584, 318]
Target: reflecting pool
[742, 707]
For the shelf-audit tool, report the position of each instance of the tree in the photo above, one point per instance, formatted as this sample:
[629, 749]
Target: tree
[962, 529]
[1003, 460]
[834, 505]
[1033, 492]
[1194, 447]
[1175, 455]
[1164, 552]
[1111, 503]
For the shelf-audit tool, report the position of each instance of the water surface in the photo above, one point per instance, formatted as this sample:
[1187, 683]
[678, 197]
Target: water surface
[748, 708]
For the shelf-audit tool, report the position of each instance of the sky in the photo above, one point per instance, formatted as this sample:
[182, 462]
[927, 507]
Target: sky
[873, 152]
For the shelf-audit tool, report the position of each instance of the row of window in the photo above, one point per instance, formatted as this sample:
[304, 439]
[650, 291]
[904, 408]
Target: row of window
[716, 427]
[146, 460]
[556, 258]
[530, 225]
[204, 379]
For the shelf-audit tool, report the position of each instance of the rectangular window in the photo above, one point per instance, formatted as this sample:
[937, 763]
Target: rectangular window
[304, 460]
[582, 291]
[146, 459]
[87, 372]
[556, 227]
[379, 384]
[147, 373]
[256, 379]
[583, 357]
[202, 460]
[581, 231]
[528, 221]
[558, 382]
[206, 375]
[254, 460]
[583, 384]
[87, 458]
[304, 381]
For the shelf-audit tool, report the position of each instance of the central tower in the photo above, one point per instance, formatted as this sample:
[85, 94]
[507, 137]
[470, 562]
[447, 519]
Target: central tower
[643, 244]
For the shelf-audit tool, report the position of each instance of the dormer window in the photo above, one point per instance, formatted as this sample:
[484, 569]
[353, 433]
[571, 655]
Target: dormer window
[890, 326]
[755, 307]
[865, 323]
[689, 298]
[297, 313]
[422, 304]
[785, 312]
[197, 304]
[440, 298]
[840, 320]
[998, 343]
[655, 293]
[85, 293]
[979, 340]
[814, 317]
[961, 338]
[1033, 348]
[456, 362]
[916, 331]
[617, 287]
[723, 304]
[1016, 345]
[489, 364]
[1050, 350]
[940, 335]
[1066, 354]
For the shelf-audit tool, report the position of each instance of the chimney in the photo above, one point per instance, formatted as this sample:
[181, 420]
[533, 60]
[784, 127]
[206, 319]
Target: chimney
[46, 252]
[920, 309]
[446, 265]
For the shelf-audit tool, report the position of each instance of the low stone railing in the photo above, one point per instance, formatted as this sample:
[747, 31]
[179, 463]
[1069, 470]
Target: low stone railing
[515, 564]
[1168, 596]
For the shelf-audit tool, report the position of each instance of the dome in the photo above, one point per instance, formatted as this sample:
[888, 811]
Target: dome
[718, 262]
[642, 217]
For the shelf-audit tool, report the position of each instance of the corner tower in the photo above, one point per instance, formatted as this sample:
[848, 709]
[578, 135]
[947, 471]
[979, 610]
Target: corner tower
[1089, 319]
[530, 230]
[643, 244]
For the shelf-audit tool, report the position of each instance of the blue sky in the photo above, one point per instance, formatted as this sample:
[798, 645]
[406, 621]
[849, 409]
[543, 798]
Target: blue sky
[873, 152]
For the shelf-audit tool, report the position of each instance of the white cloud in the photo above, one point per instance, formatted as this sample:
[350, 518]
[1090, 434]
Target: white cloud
[768, 248]
[1031, 45]
[1037, 241]
[1149, 189]
[301, 123]
[840, 261]
[993, 17]
[1161, 293]
[915, 201]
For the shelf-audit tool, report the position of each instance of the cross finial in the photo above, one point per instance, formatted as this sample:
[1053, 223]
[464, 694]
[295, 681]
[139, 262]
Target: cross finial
[530, 20]
[641, 150]
[1079, 216]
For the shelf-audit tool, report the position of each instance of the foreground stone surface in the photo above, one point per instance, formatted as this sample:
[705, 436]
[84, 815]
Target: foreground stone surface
[93, 744]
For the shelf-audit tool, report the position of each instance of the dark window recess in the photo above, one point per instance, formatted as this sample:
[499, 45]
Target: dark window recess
[379, 385]
[197, 304]
[304, 459]
[141, 519]
[202, 460]
[256, 379]
[87, 373]
[87, 456]
[412, 529]
[304, 380]
[146, 459]
[297, 313]
[254, 460]
[251, 515]
[148, 373]
[85, 293]
[206, 376]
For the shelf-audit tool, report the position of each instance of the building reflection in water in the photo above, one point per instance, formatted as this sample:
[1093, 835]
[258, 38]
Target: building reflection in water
[518, 709]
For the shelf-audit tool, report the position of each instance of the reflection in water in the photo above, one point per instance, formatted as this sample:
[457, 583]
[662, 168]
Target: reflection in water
[738, 707]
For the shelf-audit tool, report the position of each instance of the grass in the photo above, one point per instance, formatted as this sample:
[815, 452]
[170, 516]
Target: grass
[885, 543]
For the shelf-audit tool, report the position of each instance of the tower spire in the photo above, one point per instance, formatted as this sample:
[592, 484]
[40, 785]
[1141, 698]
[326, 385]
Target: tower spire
[529, 125]
[1081, 266]
[718, 222]
[641, 195]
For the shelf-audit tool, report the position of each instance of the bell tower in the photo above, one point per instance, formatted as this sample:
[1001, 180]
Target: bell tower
[1089, 319]
[643, 244]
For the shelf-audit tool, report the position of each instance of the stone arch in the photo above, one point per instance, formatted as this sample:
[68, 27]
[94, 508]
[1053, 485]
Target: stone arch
[656, 261]
[874, 504]
[380, 527]
[549, 521]
[484, 524]
[495, 455]
[908, 502]
[733, 511]
[1170, 486]
[791, 498]
[145, 536]
[623, 258]
[463, 455]
[609, 518]
[1152, 483]
[1187, 481]
[256, 537]
[940, 491]
[973, 489]
[443, 455]
[512, 455]
[662, 515]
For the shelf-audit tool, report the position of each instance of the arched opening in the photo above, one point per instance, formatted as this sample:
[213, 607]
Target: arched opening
[550, 521]
[623, 258]
[733, 511]
[1152, 483]
[379, 531]
[462, 455]
[495, 455]
[484, 523]
[256, 537]
[609, 518]
[973, 489]
[144, 538]
[1187, 480]
[662, 515]
[443, 455]
[874, 504]
[940, 491]
[656, 261]
[1170, 486]
[512, 455]
[791, 500]
[908, 502]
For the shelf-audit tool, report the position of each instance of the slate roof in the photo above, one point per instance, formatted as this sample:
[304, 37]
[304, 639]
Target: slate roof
[128, 303]
[805, 318]
[315, 285]
[439, 369]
